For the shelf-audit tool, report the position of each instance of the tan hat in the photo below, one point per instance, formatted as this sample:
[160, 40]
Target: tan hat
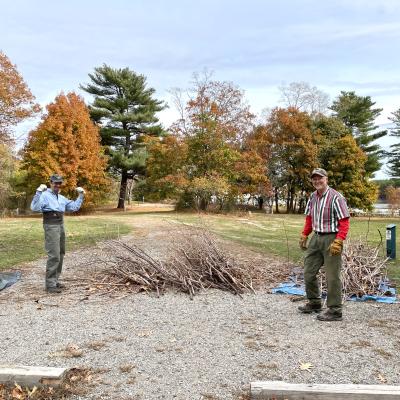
[319, 171]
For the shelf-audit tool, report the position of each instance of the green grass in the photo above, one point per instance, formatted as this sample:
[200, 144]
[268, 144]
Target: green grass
[22, 239]
[279, 234]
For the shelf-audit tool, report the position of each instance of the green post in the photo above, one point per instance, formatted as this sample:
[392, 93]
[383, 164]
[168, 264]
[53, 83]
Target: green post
[391, 241]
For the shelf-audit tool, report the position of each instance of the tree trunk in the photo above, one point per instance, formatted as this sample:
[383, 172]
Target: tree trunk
[292, 205]
[122, 190]
[203, 204]
[276, 201]
[288, 201]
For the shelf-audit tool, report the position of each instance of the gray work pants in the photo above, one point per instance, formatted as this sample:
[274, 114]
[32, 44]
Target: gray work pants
[54, 236]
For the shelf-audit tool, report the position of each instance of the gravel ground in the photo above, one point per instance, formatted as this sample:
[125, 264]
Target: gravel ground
[172, 347]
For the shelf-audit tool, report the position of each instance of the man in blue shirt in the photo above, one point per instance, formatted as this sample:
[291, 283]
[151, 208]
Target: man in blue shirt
[53, 206]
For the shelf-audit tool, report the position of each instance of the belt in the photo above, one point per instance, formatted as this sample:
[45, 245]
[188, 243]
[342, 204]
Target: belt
[53, 217]
[325, 233]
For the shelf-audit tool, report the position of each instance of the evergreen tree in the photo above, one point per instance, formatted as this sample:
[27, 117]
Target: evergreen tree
[358, 114]
[394, 153]
[345, 162]
[126, 111]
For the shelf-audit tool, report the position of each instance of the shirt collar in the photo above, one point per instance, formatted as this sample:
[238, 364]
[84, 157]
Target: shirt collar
[323, 194]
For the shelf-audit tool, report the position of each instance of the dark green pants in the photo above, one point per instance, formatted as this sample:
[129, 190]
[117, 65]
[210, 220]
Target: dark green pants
[54, 236]
[316, 256]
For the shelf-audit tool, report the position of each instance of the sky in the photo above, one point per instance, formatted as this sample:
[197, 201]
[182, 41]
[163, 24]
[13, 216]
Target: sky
[257, 44]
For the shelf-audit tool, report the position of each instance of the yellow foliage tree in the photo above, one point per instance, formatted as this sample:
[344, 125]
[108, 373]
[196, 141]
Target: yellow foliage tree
[67, 142]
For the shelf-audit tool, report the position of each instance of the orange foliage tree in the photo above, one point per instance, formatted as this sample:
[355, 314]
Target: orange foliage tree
[345, 162]
[16, 100]
[207, 158]
[294, 153]
[393, 198]
[67, 142]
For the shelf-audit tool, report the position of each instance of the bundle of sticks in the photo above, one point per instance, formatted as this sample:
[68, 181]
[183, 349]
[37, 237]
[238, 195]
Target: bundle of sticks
[195, 262]
[364, 269]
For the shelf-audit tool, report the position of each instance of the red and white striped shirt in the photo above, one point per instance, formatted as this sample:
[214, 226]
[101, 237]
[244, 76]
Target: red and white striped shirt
[326, 210]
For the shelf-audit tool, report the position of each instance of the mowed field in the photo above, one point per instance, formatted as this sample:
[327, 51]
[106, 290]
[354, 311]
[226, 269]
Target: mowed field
[21, 239]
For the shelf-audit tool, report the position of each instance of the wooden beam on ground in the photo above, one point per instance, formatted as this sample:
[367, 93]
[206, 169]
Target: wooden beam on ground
[31, 376]
[278, 390]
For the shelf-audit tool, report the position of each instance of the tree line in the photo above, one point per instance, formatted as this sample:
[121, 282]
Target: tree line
[216, 154]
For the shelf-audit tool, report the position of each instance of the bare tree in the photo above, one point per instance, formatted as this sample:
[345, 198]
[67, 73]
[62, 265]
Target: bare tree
[304, 97]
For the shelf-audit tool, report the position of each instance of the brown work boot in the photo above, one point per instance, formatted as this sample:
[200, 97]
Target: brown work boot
[309, 308]
[54, 289]
[330, 315]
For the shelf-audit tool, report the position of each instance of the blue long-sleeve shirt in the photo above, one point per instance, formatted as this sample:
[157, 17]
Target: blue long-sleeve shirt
[48, 201]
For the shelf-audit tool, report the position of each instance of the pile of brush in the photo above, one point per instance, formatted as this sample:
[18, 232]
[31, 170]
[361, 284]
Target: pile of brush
[195, 261]
[364, 269]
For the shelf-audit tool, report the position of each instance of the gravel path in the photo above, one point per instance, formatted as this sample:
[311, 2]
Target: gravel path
[174, 348]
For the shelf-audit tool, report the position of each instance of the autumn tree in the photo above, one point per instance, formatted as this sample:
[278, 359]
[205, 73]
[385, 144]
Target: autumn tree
[7, 168]
[210, 135]
[304, 97]
[394, 152]
[358, 114]
[167, 174]
[393, 198]
[345, 162]
[16, 100]
[125, 109]
[67, 142]
[294, 153]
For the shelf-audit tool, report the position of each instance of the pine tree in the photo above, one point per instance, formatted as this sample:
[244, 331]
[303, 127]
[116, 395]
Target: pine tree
[126, 111]
[67, 142]
[394, 153]
[358, 114]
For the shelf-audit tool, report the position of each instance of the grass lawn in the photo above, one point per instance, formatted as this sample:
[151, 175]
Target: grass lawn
[22, 239]
[279, 234]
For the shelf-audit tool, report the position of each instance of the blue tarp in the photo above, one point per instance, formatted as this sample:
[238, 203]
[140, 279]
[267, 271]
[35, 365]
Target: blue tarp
[8, 278]
[298, 289]
[290, 288]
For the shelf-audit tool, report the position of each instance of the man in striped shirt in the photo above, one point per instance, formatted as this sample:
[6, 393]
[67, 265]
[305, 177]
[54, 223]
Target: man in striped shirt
[328, 216]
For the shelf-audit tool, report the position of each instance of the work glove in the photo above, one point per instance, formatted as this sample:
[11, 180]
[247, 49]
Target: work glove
[336, 247]
[303, 242]
[80, 190]
[41, 188]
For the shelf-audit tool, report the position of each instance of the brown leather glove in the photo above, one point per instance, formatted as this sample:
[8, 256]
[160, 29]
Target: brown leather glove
[336, 247]
[303, 242]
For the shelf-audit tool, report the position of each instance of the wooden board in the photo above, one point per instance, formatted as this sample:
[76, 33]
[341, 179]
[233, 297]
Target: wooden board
[31, 376]
[278, 390]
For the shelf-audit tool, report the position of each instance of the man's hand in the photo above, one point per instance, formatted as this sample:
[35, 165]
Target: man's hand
[80, 190]
[336, 247]
[41, 188]
[303, 242]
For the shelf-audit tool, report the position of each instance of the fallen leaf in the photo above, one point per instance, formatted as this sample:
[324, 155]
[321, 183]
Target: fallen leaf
[32, 392]
[17, 392]
[73, 350]
[381, 378]
[144, 333]
[306, 366]
[74, 378]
